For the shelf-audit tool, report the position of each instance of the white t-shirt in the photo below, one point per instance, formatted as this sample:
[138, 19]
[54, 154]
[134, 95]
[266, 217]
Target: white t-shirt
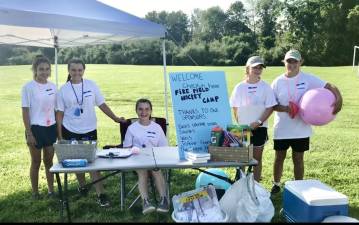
[41, 101]
[252, 100]
[292, 89]
[145, 136]
[74, 120]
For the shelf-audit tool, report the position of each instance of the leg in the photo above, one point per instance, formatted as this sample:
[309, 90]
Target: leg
[34, 169]
[257, 154]
[160, 182]
[298, 163]
[99, 185]
[81, 179]
[48, 157]
[163, 205]
[143, 188]
[143, 183]
[278, 165]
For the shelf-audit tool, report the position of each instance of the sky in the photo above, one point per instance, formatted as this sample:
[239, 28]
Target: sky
[141, 7]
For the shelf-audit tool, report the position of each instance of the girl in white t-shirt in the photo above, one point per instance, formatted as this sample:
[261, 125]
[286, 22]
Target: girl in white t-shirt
[38, 112]
[252, 101]
[289, 128]
[76, 116]
[145, 133]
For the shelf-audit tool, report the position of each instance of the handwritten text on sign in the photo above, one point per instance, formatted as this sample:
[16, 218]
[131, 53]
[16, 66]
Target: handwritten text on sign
[200, 102]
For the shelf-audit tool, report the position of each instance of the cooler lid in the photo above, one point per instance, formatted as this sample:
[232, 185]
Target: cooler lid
[315, 193]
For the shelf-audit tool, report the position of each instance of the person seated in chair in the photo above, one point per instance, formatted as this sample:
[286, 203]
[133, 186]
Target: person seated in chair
[145, 133]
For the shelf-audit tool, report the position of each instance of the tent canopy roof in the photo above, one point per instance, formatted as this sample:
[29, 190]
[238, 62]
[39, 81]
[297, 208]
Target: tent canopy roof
[70, 23]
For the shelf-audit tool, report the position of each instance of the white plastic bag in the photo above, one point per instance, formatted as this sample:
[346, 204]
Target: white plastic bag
[247, 201]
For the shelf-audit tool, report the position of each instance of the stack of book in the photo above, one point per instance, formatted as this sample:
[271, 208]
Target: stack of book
[198, 157]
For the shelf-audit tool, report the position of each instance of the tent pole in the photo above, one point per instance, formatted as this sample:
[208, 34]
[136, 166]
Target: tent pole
[165, 80]
[56, 47]
[56, 71]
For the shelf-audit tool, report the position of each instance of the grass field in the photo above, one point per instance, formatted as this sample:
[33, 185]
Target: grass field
[333, 158]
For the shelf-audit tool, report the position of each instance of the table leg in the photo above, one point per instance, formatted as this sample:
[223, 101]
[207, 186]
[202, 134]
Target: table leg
[58, 180]
[66, 202]
[123, 190]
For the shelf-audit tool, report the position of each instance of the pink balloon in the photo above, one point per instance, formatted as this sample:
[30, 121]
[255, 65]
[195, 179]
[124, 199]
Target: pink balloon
[315, 106]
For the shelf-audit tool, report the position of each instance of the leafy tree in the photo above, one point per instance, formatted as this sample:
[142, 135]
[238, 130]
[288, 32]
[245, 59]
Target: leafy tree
[236, 20]
[176, 24]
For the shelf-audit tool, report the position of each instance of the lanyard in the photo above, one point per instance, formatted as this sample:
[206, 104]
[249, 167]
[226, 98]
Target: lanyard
[292, 97]
[82, 95]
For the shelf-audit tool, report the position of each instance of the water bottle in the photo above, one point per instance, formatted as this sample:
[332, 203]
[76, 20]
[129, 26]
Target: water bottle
[74, 163]
[216, 136]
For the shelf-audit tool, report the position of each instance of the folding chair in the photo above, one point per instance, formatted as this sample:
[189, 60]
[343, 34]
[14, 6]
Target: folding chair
[123, 129]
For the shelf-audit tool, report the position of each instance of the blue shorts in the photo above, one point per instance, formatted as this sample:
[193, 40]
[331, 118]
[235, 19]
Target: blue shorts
[44, 136]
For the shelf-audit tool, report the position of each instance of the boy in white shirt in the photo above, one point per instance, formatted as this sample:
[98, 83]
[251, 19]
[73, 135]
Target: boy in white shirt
[289, 129]
[252, 101]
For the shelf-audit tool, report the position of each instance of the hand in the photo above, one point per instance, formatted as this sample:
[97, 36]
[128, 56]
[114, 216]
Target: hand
[119, 119]
[293, 109]
[30, 140]
[337, 105]
[254, 125]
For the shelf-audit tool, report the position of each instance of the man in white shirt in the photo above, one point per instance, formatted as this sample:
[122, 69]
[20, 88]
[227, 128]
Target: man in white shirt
[289, 129]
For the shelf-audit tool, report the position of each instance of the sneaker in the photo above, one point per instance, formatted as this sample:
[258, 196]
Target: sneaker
[147, 207]
[83, 191]
[163, 206]
[35, 196]
[103, 201]
[51, 194]
[275, 189]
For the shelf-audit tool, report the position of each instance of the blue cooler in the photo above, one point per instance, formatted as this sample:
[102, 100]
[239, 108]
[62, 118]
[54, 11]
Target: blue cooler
[312, 201]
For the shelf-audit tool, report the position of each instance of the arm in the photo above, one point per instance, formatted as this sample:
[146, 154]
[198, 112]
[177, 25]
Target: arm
[59, 118]
[338, 97]
[235, 109]
[104, 108]
[266, 114]
[30, 139]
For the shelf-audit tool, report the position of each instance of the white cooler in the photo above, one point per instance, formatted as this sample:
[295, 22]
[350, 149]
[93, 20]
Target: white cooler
[312, 201]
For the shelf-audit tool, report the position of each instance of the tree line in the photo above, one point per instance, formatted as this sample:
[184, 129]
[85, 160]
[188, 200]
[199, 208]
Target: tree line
[325, 32]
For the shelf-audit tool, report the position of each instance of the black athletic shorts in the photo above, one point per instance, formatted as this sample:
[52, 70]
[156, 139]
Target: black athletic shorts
[260, 136]
[68, 135]
[298, 144]
[44, 136]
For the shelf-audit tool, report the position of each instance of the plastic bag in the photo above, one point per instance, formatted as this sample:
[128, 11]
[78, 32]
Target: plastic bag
[247, 201]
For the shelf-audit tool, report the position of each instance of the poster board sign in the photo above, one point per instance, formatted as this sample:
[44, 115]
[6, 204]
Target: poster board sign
[200, 102]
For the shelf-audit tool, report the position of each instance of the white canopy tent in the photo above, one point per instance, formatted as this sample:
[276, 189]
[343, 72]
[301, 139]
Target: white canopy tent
[69, 23]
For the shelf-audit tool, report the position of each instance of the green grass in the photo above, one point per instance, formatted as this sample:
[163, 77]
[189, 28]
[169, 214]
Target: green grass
[333, 158]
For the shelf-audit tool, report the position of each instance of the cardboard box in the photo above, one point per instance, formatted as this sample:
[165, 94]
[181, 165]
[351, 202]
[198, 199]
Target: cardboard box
[312, 201]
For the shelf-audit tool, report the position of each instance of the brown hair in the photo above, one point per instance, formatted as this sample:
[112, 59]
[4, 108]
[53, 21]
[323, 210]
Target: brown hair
[74, 61]
[37, 61]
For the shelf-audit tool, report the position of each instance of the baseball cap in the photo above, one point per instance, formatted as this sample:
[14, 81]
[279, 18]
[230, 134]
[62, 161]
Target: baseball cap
[293, 54]
[254, 61]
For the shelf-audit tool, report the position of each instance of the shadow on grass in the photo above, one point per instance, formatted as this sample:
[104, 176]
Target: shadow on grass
[20, 207]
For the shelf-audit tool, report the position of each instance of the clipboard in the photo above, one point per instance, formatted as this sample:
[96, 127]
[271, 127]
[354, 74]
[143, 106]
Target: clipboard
[114, 153]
